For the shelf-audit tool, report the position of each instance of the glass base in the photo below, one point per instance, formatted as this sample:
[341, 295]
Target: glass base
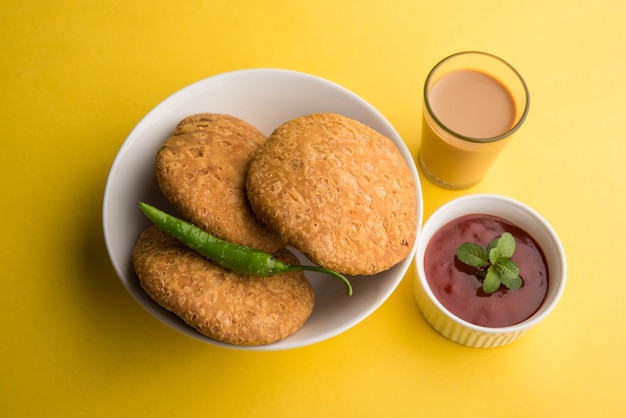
[439, 182]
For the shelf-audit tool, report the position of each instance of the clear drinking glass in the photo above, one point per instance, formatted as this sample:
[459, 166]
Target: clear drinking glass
[473, 103]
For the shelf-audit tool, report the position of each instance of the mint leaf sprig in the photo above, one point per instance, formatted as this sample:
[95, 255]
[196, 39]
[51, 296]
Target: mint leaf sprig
[493, 263]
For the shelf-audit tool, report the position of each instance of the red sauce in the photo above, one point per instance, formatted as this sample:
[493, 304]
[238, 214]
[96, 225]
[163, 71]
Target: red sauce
[458, 287]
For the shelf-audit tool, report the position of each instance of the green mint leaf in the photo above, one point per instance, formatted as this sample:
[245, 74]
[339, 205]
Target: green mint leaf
[506, 245]
[507, 268]
[494, 255]
[492, 280]
[512, 283]
[501, 270]
[472, 254]
[492, 244]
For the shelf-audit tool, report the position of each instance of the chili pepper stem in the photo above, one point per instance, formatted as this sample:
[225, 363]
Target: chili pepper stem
[330, 272]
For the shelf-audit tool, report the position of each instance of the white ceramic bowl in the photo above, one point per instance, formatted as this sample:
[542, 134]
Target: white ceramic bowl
[265, 98]
[463, 332]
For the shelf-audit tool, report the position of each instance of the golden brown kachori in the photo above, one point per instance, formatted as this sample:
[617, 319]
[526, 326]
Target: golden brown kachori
[338, 191]
[223, 305]
[201, 169]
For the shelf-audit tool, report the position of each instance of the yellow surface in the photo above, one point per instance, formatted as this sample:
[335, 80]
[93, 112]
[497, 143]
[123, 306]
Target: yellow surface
[75, 77]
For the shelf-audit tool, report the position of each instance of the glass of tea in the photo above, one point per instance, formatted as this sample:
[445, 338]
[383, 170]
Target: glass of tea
[473, 103]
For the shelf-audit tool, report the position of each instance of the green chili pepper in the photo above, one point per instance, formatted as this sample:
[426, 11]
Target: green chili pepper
[238, 258]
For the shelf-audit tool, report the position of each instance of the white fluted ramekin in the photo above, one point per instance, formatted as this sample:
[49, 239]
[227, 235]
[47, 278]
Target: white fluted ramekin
[459, 330]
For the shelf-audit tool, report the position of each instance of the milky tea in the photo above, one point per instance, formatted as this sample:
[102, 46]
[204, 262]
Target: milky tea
[473, 104]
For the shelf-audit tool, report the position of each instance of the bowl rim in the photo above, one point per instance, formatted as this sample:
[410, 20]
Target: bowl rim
[359, 106]
[442, 215]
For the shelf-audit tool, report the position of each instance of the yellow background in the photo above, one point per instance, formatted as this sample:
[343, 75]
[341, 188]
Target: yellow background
[76, 76]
